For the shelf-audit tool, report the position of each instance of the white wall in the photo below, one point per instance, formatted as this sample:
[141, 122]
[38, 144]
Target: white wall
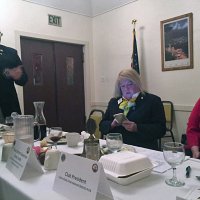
[113, 48]
[18, 17]
[108, 41]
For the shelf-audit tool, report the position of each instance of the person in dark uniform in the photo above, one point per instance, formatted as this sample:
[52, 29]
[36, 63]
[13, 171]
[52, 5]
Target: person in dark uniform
[145, 120]
[11, 71]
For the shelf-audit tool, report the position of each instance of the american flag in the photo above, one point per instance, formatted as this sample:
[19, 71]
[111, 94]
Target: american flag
[135, 62]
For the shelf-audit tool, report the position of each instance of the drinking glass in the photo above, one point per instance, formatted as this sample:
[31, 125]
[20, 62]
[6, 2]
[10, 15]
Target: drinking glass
[114, 142]
[9, 121]
[55, 134]
[92, 151]
[174, 155]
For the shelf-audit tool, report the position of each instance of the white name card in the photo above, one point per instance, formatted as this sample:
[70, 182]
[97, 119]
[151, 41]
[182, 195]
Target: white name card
[81, 178]
[21, 159]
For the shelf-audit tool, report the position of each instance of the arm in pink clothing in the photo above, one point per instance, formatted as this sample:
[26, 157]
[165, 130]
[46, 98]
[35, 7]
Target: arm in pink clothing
[193, 126]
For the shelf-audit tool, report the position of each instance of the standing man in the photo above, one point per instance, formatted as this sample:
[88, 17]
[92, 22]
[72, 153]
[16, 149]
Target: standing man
[11, 71]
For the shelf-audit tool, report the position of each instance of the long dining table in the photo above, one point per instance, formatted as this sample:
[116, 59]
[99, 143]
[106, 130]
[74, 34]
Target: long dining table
[153, 187]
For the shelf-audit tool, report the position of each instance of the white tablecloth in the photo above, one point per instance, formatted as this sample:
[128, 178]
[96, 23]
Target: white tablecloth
[39, 187]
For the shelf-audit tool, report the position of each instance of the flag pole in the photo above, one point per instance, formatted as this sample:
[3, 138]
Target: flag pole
[135, 61]
[132, 57]
[134, 22]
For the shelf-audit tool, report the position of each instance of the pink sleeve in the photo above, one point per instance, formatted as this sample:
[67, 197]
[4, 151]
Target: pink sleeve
[193, 126]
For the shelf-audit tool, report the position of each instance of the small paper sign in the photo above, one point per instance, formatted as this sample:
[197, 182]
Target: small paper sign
[81, 177]
[21, 159]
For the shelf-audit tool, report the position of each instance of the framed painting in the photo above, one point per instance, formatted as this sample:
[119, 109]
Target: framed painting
[177, 43]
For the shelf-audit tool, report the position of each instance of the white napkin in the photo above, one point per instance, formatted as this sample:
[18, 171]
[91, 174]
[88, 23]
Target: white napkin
[85, 135]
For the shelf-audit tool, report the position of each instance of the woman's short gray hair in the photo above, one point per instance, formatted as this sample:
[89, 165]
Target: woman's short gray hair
[127, 74]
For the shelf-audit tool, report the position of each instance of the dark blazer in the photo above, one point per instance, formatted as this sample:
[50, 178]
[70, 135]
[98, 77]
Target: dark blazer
[149, 116]
[8, 97]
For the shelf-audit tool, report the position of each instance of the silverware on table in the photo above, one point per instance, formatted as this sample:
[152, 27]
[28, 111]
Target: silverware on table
[198, 178]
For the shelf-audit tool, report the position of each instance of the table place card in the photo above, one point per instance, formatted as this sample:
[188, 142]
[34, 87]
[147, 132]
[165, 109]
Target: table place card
[22, 157]
[80, 178]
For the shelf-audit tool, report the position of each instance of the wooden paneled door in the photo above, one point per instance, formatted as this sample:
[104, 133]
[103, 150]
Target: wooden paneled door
[56, 76]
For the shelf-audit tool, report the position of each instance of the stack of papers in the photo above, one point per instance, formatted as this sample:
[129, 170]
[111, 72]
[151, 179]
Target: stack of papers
[156, 158]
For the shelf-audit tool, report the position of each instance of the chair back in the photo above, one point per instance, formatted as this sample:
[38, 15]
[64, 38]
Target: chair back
[169, 109]
[97, 115]
[169, 112]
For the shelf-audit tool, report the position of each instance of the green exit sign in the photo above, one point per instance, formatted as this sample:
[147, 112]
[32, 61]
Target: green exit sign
[55, 20]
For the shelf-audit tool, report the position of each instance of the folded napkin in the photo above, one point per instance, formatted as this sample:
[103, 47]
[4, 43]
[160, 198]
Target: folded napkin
[85, 135]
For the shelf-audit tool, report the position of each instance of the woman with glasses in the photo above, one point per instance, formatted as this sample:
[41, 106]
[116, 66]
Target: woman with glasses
[144, 118]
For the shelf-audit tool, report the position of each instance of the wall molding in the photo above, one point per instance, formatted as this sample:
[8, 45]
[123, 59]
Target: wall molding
[177, 107]
[184, 108]
[85, 8]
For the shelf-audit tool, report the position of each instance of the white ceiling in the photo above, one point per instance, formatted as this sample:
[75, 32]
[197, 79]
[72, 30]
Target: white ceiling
[89, 8]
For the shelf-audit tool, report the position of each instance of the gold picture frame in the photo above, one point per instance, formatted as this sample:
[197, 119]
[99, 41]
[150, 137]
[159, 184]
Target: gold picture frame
[177, 42]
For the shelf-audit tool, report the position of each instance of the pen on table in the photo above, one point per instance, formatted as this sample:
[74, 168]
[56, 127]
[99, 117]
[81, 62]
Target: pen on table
[188, 171]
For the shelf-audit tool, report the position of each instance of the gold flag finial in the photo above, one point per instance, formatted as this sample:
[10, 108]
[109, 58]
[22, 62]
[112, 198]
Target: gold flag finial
[134, 22]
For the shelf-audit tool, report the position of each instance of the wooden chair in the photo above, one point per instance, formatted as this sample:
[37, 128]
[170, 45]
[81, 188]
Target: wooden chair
[169, 113]
[97, 115]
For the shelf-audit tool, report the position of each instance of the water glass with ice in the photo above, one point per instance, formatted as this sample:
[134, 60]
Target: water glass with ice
[114, 142]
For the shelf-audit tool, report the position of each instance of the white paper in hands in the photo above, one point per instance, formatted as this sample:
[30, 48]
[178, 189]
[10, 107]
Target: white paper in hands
[120, 117]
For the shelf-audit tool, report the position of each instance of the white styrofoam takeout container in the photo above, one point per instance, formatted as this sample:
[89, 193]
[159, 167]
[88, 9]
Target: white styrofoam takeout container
[126, 167]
